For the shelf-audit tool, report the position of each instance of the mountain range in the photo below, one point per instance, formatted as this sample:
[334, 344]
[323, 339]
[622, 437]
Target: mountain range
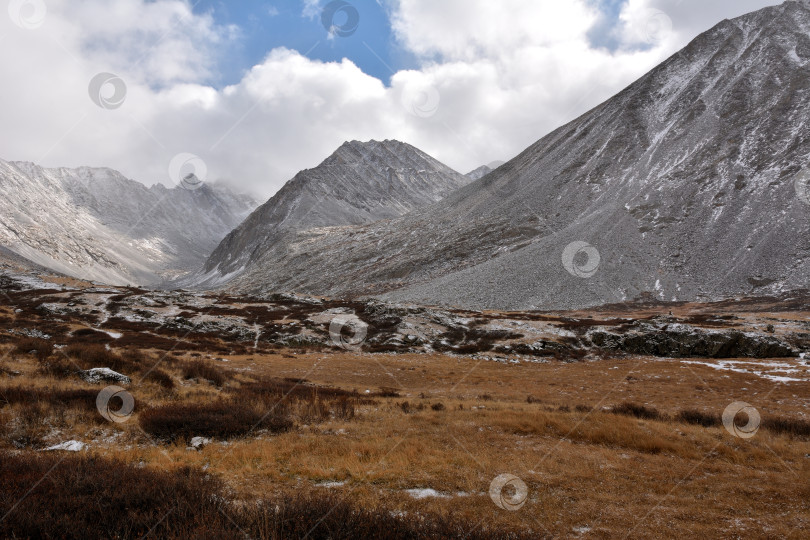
[681, 187]
[93, 223]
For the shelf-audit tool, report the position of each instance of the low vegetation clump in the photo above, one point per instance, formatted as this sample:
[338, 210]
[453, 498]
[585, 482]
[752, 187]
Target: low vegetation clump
[91, 497]
[160, 377]
[638, 411]
[796, 427]
[202, 370]
[222, 419]
[41, 348]
[84, 397]
[698, 418]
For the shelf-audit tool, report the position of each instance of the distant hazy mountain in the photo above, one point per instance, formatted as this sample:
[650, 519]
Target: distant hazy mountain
[362, 182]
[96, 224]
[681, 186]
[483, 170]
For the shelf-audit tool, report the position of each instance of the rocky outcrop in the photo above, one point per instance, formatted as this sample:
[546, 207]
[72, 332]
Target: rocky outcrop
[684, 341]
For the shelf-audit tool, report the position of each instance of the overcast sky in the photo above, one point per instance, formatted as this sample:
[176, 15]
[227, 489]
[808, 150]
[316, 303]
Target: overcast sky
[260, 90]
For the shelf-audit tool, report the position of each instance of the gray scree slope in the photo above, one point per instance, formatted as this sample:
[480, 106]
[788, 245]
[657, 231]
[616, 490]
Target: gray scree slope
[683, 182]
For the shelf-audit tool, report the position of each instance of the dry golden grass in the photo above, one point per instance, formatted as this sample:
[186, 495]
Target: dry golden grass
[589, 473]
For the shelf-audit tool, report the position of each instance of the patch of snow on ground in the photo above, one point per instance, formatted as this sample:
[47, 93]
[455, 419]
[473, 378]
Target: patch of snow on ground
[330, 484]
[68, 446]
[766, 370]
[424, 493]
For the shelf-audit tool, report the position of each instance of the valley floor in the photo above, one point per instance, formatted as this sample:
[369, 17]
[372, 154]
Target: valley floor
[235, 438]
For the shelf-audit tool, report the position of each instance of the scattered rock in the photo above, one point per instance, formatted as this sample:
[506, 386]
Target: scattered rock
[96, 375]
[197, 443]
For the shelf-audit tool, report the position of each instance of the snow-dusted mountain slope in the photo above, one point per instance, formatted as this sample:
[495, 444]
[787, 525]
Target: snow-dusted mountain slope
[361, 182]
[93, 223]
[682, 186]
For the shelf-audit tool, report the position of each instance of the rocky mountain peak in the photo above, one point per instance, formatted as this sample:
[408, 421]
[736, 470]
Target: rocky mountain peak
[360, 183]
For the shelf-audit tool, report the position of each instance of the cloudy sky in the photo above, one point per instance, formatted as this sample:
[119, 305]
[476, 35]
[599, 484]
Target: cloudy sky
[260, 90]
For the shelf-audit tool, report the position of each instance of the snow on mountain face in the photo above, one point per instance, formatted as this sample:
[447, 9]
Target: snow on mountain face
[93, 223]
[681, 186]
[360, 183]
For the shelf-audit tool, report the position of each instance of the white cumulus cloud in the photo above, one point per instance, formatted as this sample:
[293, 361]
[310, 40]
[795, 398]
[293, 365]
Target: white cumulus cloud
[493, 78]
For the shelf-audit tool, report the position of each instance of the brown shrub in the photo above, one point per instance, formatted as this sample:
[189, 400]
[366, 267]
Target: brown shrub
[202, 370]
[88, 335]
[699, 418]
[387, 391]
[87, 497]
[221, 419]
[93, 355]
[91, 497]
[160, 377]
[298, 389]
[330, 516]
[344, 409]
[41, 348]
[437, 406]
[30, 426]
[84, 397]
[639, 411]
[795, 427]
[58, 366]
